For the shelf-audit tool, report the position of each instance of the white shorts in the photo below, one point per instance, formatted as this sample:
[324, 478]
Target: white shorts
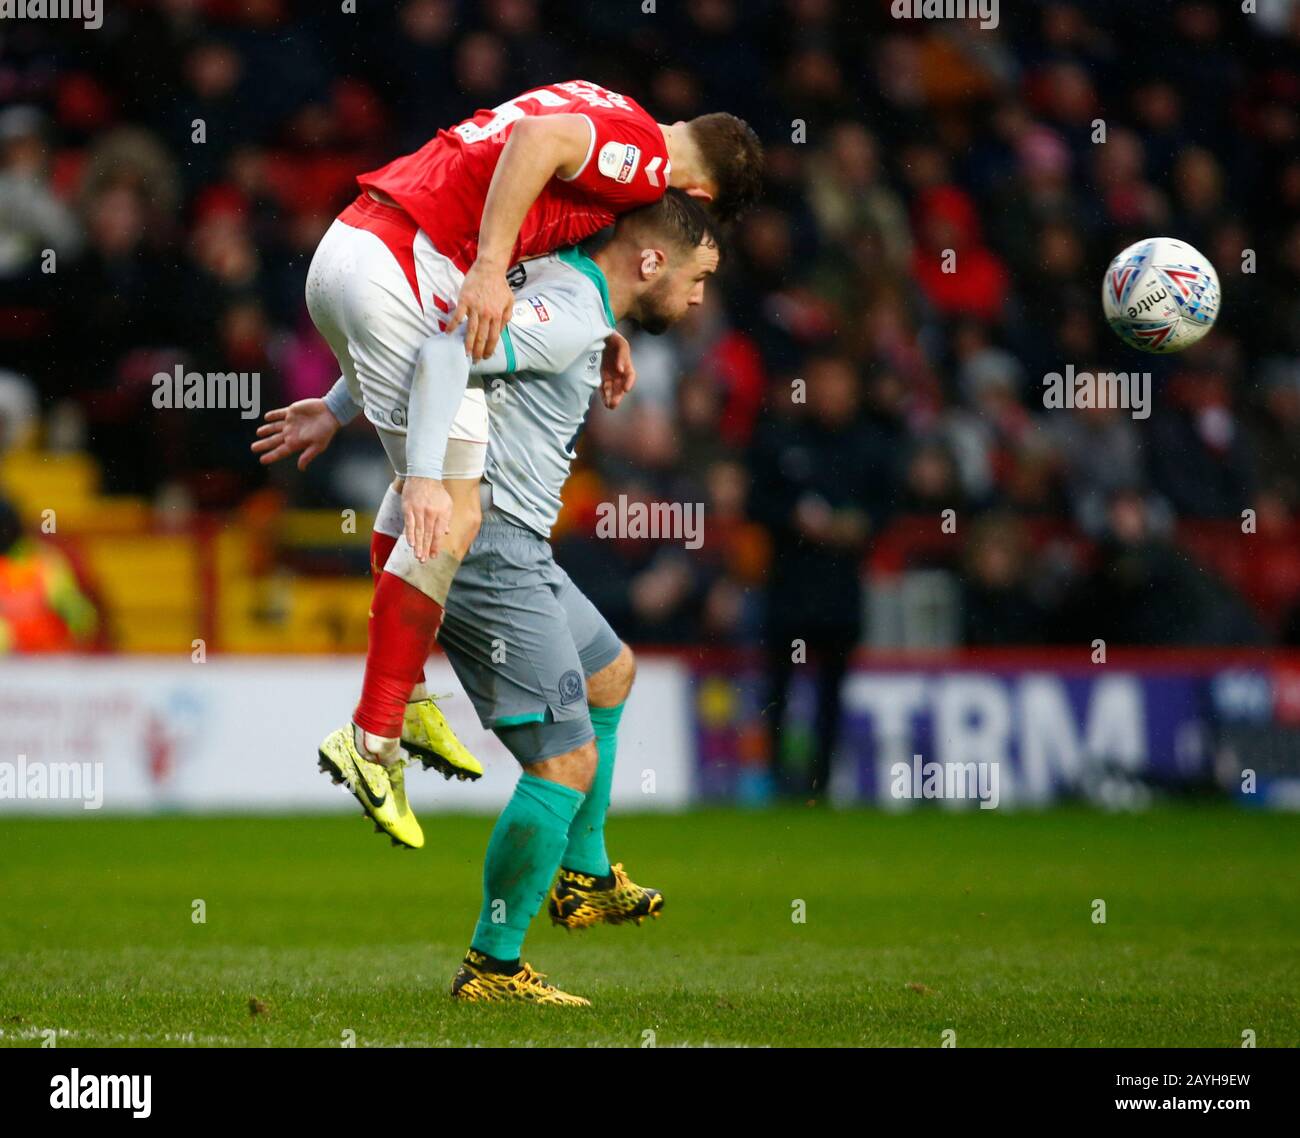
[376, 290]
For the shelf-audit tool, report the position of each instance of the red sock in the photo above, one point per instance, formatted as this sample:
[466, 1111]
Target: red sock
[381, 545]
[403, 623]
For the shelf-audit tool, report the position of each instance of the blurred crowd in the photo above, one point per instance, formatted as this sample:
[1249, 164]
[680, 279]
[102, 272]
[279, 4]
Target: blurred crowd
[182, 162]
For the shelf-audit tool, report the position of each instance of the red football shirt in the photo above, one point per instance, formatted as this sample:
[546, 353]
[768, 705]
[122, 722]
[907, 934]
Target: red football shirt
[444, 184]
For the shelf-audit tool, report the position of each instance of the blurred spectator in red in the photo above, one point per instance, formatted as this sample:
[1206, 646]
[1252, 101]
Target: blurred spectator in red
[959, 275]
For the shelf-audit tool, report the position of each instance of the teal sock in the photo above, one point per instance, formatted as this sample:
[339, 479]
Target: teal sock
[522, 857]
[586, 849]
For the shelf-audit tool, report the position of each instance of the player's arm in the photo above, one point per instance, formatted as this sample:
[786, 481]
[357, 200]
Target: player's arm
[442, 370]
[338, 402]
[539, 148]
[437, 390]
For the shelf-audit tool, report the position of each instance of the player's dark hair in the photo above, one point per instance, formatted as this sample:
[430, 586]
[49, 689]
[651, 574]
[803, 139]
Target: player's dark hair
[677, 216]
[732, 158]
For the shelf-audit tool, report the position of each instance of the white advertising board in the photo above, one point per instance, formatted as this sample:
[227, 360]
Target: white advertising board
[133, 734]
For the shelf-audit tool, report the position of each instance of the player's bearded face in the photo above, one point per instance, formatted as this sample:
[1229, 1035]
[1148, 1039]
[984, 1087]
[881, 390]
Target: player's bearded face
[656, 315]
[678, 290]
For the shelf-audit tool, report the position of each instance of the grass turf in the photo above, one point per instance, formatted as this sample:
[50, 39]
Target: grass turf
[981, 923]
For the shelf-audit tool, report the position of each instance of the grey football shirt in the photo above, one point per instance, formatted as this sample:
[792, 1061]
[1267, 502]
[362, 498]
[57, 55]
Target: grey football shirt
[539, 382]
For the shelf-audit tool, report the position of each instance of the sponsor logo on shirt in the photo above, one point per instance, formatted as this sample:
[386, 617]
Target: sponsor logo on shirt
[530, 310]
[619, 160]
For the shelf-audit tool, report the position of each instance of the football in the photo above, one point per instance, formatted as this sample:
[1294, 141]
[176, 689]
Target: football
[1160, 295]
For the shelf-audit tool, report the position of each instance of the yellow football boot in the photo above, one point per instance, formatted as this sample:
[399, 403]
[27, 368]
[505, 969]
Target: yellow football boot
[380, 790]
[407, 820]
[475, 983]
[578, 900]
[428, 736]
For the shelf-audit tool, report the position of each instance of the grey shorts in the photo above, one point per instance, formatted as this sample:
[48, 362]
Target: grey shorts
[522, 639]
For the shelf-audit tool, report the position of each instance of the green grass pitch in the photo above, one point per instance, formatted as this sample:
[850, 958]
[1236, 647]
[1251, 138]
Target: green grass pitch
[978, 923]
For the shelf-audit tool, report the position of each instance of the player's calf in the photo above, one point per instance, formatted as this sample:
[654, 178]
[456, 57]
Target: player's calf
[425, 732]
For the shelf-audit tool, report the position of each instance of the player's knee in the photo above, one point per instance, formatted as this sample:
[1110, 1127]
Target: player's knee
[551, 748]
[466, 514]
[463, 533]
[613, 683]
[471, 521]
[584, 767]
[575, 769]
[432, 577]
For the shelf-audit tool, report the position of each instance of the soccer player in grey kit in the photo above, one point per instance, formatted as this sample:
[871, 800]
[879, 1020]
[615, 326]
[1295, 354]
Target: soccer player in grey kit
[545, 671]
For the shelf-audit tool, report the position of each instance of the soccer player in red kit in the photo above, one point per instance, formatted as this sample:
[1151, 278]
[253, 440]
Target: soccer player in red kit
[425, 250]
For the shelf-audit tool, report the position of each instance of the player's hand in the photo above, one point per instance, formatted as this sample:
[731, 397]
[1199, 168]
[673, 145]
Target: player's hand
[307, 426]
[617, 372]
[426, 507]
[485, 303]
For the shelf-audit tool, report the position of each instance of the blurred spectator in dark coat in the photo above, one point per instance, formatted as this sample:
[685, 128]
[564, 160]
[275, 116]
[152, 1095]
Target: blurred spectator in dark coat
[1145, 590]
[1101, 451]
[1200, 204]
[33, 220]
[998, 606]
[1199, 456]
[1042, 192]
[650, 590]
[930, 481]
[1275, 430]
[822, 485]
